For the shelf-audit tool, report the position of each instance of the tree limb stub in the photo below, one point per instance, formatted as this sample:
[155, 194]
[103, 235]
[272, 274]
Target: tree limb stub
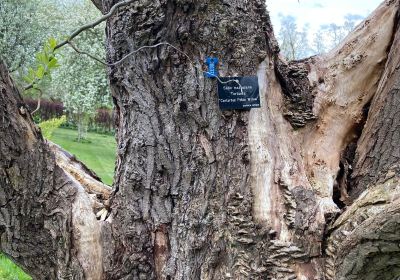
[86, 177]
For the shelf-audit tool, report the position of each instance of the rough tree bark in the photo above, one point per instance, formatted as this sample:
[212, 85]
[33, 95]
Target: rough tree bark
[306, 187]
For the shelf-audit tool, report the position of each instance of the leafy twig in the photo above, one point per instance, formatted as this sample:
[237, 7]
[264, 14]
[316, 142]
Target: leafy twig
[45, 61]
[83, 28]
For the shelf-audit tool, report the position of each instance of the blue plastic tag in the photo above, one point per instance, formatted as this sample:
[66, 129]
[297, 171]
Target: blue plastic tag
[212, 71]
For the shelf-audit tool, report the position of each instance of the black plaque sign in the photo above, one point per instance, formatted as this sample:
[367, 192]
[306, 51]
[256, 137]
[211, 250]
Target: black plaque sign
[238, 93]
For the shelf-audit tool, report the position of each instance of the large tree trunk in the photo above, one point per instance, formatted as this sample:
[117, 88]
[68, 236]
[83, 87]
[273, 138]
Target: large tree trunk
[306, 187]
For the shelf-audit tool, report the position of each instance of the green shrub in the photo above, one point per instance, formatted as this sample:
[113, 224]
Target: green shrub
[48, 127]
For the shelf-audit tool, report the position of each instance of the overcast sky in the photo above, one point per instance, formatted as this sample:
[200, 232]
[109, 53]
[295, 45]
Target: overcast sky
[317, 12]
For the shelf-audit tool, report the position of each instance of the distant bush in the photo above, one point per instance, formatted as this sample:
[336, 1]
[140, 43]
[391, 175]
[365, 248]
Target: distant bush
[48, 127]
[103, 117]
[101, 122]
[48, 109]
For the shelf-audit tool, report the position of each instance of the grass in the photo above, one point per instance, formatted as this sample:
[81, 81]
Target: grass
[98, 152]
[10, 271]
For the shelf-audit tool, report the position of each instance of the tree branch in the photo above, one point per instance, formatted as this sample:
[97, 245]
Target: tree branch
[38, 105]
[86, 27]
[149, 47]
[95, 23]
[79, 51]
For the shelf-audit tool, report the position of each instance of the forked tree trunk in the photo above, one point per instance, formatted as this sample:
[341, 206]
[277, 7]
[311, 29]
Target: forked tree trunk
[306, 187]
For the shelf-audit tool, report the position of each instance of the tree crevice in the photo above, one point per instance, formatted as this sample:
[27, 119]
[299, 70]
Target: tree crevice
[344, 184]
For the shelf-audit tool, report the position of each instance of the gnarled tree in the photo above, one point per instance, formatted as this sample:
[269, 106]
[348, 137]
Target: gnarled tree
[305, 187]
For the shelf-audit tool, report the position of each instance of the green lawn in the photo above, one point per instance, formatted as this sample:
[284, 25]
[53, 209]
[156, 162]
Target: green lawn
[98, 153]
[10, 271]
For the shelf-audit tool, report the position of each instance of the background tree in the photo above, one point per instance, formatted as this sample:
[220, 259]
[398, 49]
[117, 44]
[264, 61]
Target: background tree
[304, 49]
[296, 44]
[350, 22]
[81, 84]
[18, 43]
[318, 43]
[334, 33]
[205, 194]
[289, 37]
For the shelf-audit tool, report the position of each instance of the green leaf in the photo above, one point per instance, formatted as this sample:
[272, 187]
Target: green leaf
[52, 43]
[41, 58]
[31, 73]
[40, 72]
[28, 79]
[53, 63]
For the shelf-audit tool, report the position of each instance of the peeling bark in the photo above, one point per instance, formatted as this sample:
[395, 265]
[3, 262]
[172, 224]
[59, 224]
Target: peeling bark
[305, 187]
[364, 240]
